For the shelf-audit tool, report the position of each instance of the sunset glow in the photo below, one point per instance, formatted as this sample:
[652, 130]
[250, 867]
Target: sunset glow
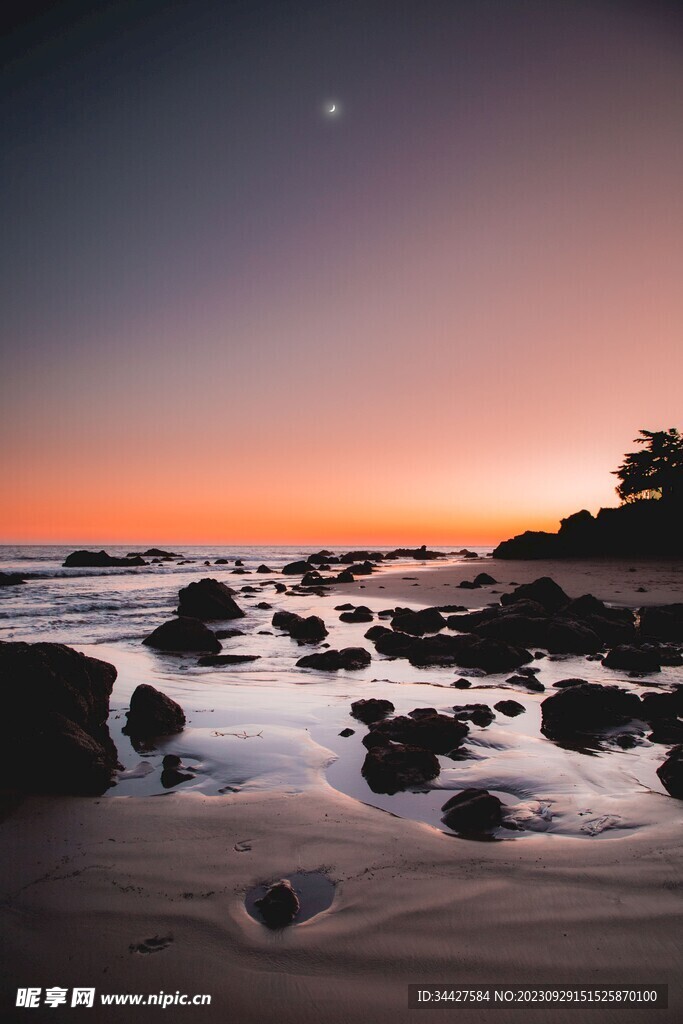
[441, 317]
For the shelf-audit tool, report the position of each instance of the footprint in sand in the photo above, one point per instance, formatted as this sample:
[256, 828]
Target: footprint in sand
[153, 945]
[244, 846]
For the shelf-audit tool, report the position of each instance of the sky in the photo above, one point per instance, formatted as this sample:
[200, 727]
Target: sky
[440, 314]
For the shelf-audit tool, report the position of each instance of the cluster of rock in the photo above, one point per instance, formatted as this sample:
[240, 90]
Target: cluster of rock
[540, 614]
[349, 658]
[402, 754]
[583, 712]
[198, 603]
[307, 630]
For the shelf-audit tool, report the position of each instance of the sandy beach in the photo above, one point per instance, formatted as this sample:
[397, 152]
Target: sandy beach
[147, 894]
[611, 580]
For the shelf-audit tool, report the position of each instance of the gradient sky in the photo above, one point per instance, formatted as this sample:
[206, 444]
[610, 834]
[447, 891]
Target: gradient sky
[439, 316]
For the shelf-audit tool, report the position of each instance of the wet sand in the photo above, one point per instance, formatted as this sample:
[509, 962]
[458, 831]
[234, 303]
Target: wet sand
[88, 879]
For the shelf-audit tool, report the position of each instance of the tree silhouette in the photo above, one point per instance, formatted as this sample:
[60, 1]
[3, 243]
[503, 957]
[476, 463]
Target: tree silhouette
[655, 470]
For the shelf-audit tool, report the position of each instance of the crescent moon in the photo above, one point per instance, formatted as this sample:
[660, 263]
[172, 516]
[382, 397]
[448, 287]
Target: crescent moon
[332, 108]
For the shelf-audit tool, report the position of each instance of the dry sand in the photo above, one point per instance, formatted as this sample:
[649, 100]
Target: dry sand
[88, 878]
[610, 580]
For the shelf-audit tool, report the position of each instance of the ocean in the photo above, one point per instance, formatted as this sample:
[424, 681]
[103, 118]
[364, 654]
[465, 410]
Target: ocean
[271, 725]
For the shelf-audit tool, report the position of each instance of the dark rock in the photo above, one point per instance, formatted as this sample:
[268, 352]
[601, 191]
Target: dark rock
[426, 620]
[511, 708]
[264, 606]
[478, 714]
[671, 772]
[10, 579]
[472, 811]
[99, 560]
[208, 599]
[566, 637]
[284, 619]
[311, 629]
[587, 708]
[667, 730]
[171, 777]
[349, 658]
[280, 905]
[361, 614]
[56, 705]
[662, 622]
[394, 645]
[469, 585]
[347, 732]
[492, 656]
[227, 659]
[361, 568]
[152, 713]
[435, 732]
[345, 576]
[280, 588]
[484, 580]
[296, 568]
[661, 705]
[632, 659]
[398, 767]
[183, 634]
[307, 630]
[171, 761]
[225, 634]
[562, 684]
[543, 590]
[462, 684]
[371, 709]
[264, 569]
[376, 631]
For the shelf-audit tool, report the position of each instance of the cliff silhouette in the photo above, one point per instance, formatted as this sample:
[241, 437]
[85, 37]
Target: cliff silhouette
[648, 528]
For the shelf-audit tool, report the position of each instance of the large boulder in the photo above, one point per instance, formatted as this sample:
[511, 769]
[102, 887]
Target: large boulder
[309, 630]
[632, 659]
[184, 634]
[99, 560]
[472, 811]
[662, 622]
[296, 568]
[586, 709]
[433, 731]
[371, 709]
[349, 658]
[208, 599]
[671, 772]
[56, 705]
[426, 620]
[152, 713]
[392, 768]
[492, 655]
[567, 637]
[543, 590]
